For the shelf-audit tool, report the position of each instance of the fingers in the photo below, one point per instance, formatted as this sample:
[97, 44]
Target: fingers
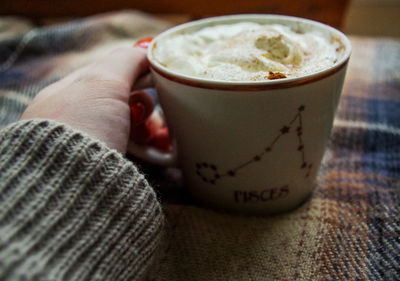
[141, 105]
[161, 140]
[127, 64]
[143, 82]
[143, 133]
[147, 126]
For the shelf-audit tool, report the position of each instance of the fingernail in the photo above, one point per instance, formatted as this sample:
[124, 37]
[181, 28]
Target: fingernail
[141, 134]
[138, 112]
[143, 43]
[161, 140]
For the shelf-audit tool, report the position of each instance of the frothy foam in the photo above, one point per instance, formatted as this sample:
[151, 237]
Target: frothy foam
[247, 51]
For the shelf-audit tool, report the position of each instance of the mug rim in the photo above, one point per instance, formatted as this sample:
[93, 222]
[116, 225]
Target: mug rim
[248, 85]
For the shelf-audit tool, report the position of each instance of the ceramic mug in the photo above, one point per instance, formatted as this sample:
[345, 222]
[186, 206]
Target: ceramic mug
[248, 147]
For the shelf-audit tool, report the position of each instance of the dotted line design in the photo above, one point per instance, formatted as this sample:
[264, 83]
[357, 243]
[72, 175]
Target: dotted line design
[209, 172]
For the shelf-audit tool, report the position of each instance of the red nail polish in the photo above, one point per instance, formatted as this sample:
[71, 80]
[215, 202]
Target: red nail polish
[141, 134]
[138, 112]
[144, 132]
[161, 140]
[143, 43]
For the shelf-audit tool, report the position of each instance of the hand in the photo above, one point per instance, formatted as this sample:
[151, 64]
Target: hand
[96, 99]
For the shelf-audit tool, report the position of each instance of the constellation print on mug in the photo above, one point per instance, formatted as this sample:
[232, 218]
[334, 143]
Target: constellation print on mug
[210, 173]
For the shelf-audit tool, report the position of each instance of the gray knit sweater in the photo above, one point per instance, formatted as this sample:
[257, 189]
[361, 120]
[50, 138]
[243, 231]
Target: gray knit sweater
[71, 208]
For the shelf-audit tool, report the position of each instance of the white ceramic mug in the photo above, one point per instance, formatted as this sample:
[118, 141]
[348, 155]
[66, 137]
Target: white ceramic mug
[248, 147]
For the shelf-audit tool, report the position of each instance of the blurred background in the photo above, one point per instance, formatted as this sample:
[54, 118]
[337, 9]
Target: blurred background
[373, 18]
[358, 17]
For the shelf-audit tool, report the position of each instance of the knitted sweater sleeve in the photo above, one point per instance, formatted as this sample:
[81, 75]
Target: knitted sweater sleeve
[71, 208]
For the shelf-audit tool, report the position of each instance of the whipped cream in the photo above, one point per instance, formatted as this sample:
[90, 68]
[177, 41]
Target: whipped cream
[247, 51]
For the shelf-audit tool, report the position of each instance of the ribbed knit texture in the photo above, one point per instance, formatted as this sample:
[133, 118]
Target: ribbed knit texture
[71, 208]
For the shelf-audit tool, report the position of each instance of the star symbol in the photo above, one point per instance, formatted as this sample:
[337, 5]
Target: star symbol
[207, 172]
[285, 130]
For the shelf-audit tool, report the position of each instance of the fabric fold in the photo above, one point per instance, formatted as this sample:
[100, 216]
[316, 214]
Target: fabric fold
[72, 207]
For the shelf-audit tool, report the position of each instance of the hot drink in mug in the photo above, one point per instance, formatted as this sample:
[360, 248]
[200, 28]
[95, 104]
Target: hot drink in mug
[250, 102]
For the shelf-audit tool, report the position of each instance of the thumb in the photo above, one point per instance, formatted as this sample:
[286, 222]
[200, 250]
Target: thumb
[124, 64]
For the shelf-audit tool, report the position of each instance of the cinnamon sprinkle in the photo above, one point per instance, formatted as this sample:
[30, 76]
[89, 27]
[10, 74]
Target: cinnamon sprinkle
[276, 75]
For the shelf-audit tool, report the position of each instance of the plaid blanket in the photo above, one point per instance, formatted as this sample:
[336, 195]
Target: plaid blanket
[348, 230]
